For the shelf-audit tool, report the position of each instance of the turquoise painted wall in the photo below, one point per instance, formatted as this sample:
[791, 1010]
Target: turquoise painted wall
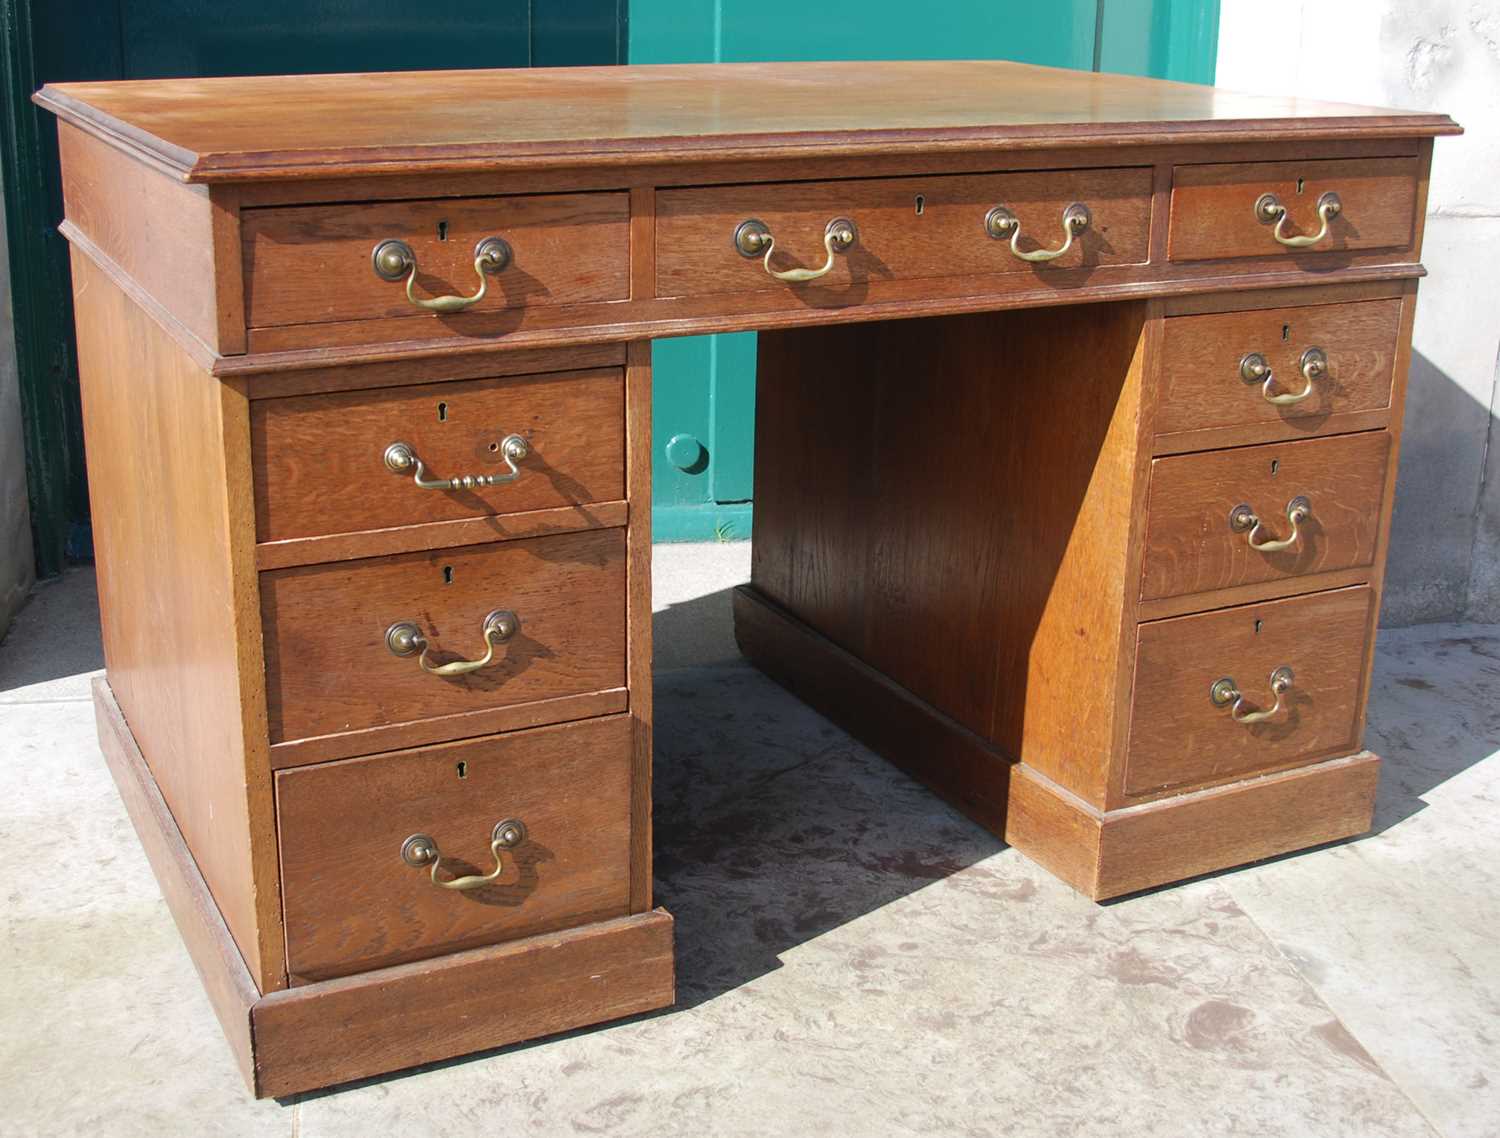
[704, 405]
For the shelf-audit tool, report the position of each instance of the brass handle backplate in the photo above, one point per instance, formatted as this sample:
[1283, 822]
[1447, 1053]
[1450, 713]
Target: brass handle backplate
[394, 259]
[753, 238]
[1242, 519]
[1225, 693]
[400, 457]
[1255, 369]
[405, 639]
[1001, 223]
[1269, 209]
[421, 850]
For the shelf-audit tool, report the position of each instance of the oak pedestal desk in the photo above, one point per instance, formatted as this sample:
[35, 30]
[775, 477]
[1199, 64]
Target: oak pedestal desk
[1078, 406]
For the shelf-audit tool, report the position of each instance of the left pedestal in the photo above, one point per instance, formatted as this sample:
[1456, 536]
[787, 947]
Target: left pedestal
[337, 1030]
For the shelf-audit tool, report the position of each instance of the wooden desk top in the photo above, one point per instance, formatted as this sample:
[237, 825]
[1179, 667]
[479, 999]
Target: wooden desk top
[318, 126]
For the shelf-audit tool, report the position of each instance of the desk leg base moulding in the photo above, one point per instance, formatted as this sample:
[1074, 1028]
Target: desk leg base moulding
[316, 1035]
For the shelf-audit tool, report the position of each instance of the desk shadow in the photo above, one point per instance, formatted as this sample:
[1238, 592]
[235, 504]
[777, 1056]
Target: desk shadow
[773, 826]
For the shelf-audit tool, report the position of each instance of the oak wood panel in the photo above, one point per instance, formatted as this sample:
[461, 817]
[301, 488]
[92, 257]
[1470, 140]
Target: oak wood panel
[1203, 387]
[296, 347]
[461, 725]
[1213, 207]
[258, 127]
[638, 610]
[160, 232]
[695, 252]
[1192, 548]
[1125, 851]
[311, 264]
[642, 179]
[326, 622]
[950, 501]
[215, 957]
[352, 903]
[319, 459]
[1304, 295]
[487, 362]
[439, 535]
[1187, 603]
[1236, 824]
[169, 469]
[356, 1026]
[933, 748]
[1178, 736]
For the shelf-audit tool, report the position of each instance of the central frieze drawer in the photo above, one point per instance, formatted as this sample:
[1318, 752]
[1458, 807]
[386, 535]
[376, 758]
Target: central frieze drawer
[330, 667]
[903, 229]
[337, 463]
[1217, 519]
[353, 901]
[316, 263]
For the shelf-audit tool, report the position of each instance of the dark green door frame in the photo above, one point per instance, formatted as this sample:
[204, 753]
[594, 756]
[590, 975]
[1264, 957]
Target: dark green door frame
[42, 303]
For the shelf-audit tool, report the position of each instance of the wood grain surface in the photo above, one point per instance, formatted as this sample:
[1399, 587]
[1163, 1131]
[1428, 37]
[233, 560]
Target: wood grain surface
[352, 903]
[259, 127]
[169, 471]
[319, 466]
[439, 535]
[939, 752]
[311, 264]
[1213, 207]
[1124, 851]
[950, 501]
[638, 617]
[908, 228]
[158, 231]
[357, 1026]
[328, 669]
[1179, 737]
[1191, 547]
[1202, 386]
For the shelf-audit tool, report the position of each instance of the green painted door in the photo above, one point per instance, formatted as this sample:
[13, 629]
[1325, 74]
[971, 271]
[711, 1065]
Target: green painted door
[704, 406]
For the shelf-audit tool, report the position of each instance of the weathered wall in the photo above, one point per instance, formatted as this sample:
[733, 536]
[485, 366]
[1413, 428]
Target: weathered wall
[1434, 55]
[15, 522]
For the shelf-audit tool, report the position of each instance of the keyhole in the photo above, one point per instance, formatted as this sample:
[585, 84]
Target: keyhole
[1275, 466]
[443, 228]
[921, 204]
[442, 412]
[463, 770]
[447, 574]
[1299, 185]
[1286, 333]
[1257, 633]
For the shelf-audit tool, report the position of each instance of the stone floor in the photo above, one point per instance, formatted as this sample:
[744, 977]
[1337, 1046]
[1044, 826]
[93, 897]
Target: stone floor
[855, 958]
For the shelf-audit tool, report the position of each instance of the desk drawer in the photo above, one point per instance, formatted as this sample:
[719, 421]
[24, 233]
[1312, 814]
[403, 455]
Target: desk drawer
[1182, 732]
[313, 264]
[906, 228]
[330, 670]
[352, 902]
[1328, 358]
[1214, 207]
[1197, 539]
[320, 466]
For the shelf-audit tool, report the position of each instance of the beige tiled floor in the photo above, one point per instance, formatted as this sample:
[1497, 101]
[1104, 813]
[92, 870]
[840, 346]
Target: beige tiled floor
[854, 957]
